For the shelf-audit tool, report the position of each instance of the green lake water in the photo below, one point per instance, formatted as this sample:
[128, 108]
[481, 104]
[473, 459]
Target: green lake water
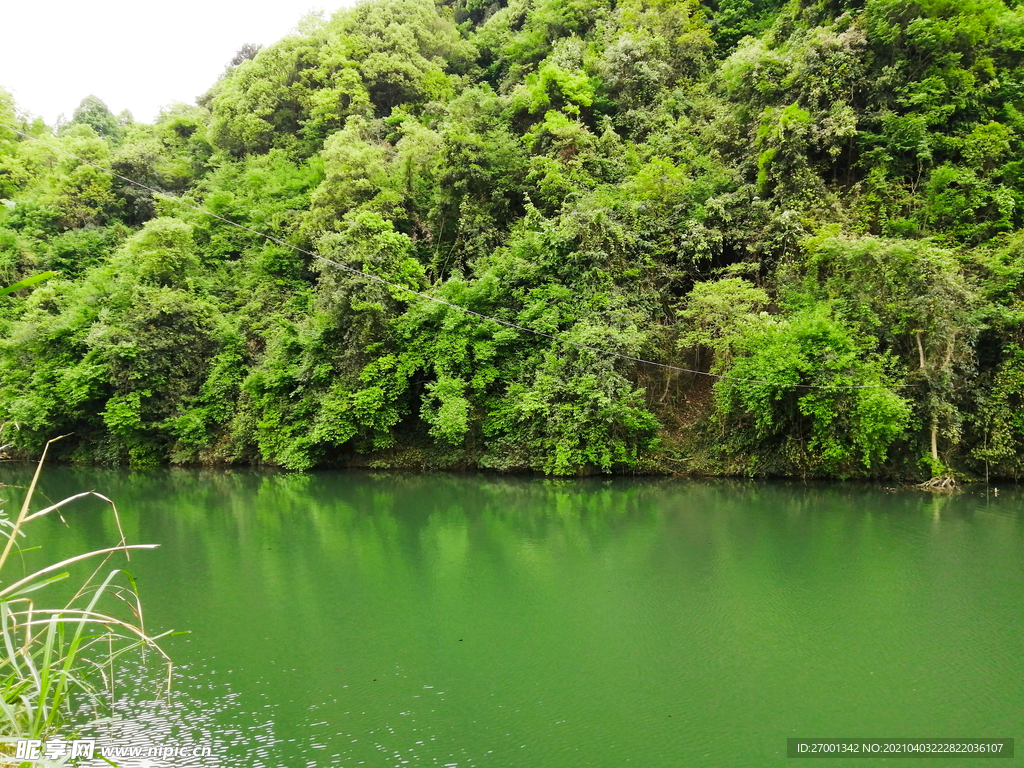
[362, 619]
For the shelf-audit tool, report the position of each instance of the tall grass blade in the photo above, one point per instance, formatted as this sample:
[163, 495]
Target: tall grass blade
[49, 654]
[28, 282]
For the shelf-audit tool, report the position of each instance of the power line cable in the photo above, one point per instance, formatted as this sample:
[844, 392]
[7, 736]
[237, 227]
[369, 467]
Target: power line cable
[426, 296]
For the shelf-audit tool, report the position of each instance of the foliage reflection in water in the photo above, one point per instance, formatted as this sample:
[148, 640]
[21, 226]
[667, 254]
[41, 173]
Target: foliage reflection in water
[372, 619]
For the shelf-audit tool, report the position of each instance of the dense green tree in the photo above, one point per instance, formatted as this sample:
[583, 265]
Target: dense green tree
[739, 236]
[803, 397]
[92, 111]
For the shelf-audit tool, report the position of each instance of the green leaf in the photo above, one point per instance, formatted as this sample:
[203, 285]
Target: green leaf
[27, 282]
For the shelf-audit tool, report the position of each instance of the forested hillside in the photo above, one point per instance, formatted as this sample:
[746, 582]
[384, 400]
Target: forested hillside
[819, 200]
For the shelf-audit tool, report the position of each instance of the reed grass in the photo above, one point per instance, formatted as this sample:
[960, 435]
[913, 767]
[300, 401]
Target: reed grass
[54, 658]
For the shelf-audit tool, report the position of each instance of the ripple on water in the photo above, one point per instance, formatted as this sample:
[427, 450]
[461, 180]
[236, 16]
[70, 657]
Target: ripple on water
[200, 711]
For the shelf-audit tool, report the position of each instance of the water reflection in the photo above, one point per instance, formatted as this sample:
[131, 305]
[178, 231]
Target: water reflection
[376, 618]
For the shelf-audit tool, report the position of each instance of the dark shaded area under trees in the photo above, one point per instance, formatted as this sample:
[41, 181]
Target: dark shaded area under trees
[824, 195]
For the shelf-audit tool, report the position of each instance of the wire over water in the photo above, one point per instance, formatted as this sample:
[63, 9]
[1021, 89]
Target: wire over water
[428, 297]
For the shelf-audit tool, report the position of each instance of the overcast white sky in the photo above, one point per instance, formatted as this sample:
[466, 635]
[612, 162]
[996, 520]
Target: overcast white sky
[134, 54]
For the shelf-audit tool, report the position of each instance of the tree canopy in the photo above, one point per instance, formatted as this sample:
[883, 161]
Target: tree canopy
[805, 215]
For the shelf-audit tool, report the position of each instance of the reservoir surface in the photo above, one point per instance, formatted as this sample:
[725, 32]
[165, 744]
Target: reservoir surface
[388, 619]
